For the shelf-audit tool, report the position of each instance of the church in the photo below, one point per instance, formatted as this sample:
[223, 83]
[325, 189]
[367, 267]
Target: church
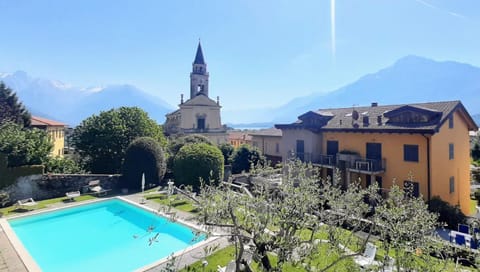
[199, 114]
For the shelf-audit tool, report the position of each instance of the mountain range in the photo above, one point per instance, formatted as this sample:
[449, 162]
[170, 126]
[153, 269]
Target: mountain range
[62, 102]
[411, 79]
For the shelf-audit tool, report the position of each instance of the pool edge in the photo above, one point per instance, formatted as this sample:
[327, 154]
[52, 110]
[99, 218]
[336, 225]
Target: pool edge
[32, 266]
[18, 247]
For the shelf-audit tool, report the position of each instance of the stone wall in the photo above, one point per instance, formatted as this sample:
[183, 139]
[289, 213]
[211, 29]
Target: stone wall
[56, 185]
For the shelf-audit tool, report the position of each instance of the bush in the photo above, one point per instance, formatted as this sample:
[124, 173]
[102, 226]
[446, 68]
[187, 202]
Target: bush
[177, 143]
[198, 161]
[244, 157]
[227, 151]
[143, 155]
[59, 165]
[477, 196]
[448, 214]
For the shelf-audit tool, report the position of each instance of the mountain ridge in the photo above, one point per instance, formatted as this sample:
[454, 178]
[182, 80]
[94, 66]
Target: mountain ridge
[70, 104]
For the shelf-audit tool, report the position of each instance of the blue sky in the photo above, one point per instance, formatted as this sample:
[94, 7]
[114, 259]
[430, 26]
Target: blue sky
[259, 53]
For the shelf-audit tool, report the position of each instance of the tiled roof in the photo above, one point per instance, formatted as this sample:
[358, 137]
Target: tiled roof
[267, 132]
[342, 119]
[239, 135]
[199, 56]
[39, 121]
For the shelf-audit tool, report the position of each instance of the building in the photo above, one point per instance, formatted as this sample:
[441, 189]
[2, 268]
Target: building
[199, 114]
[55, 130]
[268, 141]
[238, 138]
[424, 145]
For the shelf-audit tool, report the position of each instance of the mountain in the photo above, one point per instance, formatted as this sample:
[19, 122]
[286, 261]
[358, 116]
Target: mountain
[56, 100]
[476, 118]
[411, 79]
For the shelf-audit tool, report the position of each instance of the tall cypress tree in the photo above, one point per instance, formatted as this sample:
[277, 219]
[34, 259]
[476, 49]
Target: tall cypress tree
[11, 109]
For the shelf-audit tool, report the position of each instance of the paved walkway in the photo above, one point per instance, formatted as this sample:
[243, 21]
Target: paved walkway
[11, 262]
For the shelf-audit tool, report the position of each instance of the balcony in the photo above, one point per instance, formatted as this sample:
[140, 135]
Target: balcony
[329, 161]
[367, 166]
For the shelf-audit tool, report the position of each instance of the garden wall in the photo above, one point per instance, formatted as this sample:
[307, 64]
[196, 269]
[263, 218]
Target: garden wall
[56, 185]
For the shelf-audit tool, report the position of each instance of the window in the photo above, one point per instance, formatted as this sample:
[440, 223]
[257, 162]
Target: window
[411, 188]
[451, 151]
[255, 144]
[452, 184]
[410, 153]
[450, 121]
[277, 147]
[201, 123]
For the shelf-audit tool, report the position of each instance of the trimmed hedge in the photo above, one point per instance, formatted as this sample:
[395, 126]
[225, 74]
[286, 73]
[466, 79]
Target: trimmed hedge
[244, 157]
[198, 161]
[8, 175]
[143, 155]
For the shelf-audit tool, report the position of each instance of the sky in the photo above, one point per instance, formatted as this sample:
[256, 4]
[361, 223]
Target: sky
[260, 53]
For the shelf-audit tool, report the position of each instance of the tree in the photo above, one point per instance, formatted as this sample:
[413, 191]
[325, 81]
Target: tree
[24, 146]
[12, 110]
[62, 165]
[244, 157]
[143, 156]
[177, 143]
[448, 214]
[195, 162]
[405, 225]
[284, 220]
[103, 139]
[227, 151]
[293, 219]
[476, 152]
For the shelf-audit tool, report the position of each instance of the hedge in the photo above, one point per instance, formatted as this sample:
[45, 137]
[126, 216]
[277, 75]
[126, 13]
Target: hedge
[143, 155]
[198, 161]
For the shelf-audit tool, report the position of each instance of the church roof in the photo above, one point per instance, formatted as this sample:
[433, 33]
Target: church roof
[199, 56]
[200, 100]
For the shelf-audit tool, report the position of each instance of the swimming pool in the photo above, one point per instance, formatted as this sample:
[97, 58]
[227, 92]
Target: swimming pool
[110, 235]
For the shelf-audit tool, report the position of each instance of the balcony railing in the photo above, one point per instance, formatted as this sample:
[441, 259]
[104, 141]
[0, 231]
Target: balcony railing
[353, 163]
[367, 165]
[329, 160]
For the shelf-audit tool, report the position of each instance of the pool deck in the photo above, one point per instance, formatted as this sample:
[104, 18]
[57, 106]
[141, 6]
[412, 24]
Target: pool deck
[11, 262]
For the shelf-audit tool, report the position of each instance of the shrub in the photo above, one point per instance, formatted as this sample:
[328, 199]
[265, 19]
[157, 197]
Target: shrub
[59, 165]
[198, 161]
[143, 155]
[448, 214]
[227, 151]
[245, 157]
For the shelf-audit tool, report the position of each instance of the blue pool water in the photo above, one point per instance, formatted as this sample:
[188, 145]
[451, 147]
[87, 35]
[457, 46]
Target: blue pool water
[109, 235]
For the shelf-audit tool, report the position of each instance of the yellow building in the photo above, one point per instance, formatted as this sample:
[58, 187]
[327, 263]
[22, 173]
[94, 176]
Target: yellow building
[425, 145]
[55, 130]
[268, 141]
[238, 138]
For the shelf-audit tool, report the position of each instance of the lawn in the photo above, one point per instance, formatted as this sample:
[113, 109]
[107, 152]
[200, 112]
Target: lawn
[175, 201]
[12, 210]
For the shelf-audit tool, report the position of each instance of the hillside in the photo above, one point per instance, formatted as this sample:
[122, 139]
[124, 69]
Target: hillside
[70, 104]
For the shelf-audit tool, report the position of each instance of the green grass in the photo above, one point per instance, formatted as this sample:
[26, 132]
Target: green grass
[220, 258]
[175, 201]
[12, 210]
[473, 206]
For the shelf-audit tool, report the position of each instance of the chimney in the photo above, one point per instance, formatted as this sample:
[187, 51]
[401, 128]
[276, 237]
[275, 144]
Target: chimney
[374, 104]
[181, 98]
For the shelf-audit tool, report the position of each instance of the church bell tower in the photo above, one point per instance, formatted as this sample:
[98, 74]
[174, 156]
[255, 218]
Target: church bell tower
[199, 75]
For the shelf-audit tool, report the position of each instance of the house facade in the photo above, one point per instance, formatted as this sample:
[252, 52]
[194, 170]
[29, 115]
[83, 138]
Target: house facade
[269, 142]
[424, 146]
[238, 138]
[199, 114]
[55, 130]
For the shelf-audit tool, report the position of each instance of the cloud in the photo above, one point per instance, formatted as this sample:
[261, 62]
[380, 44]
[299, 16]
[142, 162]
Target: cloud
[429, 5]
